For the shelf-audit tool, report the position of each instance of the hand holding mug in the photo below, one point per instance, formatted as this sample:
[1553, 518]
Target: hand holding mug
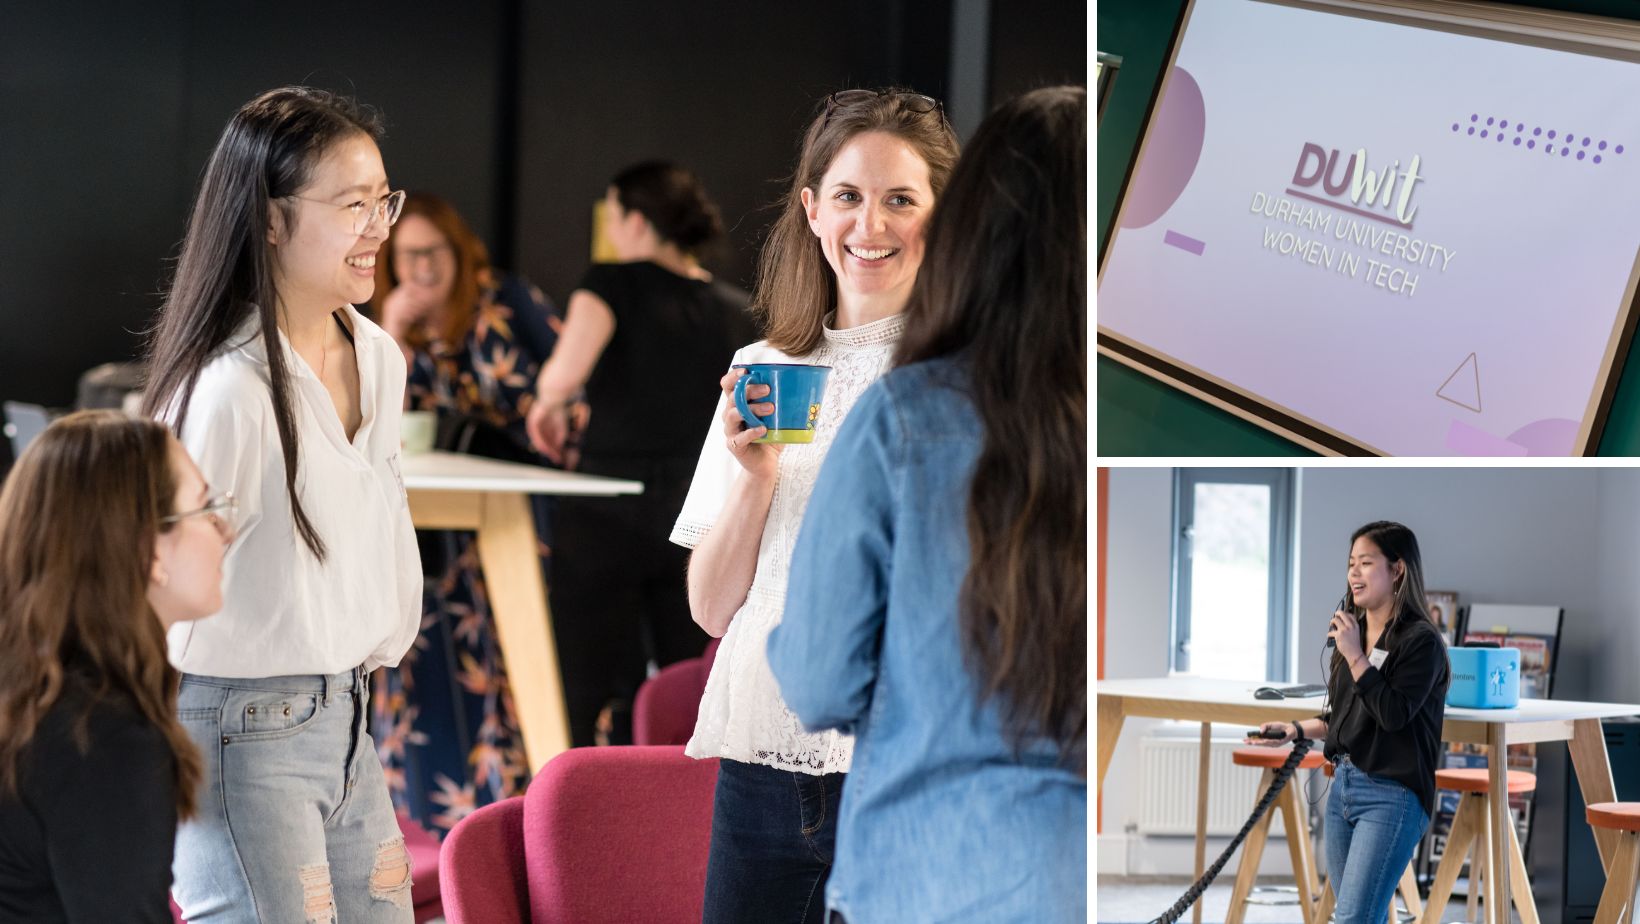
[758, 459]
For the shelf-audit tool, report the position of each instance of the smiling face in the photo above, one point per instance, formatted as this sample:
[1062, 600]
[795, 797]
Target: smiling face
[320, 262]
[1372, 576]
[185, 582]
[869, 213]
[423, 257]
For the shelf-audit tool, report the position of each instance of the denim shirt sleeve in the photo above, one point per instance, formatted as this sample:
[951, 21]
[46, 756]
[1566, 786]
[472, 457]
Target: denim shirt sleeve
[824, 652]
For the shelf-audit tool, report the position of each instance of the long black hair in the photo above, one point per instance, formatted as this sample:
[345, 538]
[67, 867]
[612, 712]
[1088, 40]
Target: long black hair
[1408, 604]
[1004, 286]
[225, 271]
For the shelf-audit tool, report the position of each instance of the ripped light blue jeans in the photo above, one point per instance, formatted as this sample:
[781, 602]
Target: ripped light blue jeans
[294, 822]
[1373, 827]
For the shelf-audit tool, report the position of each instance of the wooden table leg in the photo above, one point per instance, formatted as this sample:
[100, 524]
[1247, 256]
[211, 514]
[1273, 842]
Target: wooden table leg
[1201, 815]
[523, 626]
[1497, 808]
[1594, 777]
[1110, 726]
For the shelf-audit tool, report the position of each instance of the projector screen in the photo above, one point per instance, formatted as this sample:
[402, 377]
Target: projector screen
[1386, 228]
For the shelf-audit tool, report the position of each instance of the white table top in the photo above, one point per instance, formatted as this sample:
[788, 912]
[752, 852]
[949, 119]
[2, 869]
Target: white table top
[1240, 693]
[450, 471]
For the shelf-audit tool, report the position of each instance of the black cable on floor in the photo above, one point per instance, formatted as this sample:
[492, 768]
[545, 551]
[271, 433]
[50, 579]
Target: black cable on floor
[1283, 774]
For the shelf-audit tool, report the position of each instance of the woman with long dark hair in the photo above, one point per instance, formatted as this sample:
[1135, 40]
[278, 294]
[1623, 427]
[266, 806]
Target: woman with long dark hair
[833, 280]
[1386, 683]
[938, 599]
[646, 338]
[279, 387]
[108, 536]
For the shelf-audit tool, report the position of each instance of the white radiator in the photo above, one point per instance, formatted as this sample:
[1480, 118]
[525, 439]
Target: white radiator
[1168, 768]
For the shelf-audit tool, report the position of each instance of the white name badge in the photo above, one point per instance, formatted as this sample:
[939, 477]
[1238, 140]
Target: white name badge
[1376, 659]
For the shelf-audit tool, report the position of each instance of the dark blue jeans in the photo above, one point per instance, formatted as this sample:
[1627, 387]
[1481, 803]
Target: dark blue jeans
[772, 837]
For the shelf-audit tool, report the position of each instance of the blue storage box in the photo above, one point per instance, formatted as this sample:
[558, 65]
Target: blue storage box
[1484, 678]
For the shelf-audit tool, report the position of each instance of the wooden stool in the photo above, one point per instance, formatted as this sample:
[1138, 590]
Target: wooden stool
[1617, 901]
[1472, 826]
[1408, 889]
[1297, 824]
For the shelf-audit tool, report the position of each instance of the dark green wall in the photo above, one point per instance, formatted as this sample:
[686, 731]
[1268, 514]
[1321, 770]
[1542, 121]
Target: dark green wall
[1139, 416]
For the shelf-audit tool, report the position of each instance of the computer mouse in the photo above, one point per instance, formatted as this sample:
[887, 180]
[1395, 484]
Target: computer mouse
[1267, 693]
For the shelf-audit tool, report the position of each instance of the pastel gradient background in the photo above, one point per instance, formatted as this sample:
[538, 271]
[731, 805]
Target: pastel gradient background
[1544, 242]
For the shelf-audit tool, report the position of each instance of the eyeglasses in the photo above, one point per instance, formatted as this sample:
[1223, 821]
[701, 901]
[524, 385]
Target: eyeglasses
[222, 510]
[913, 102]
[366, 211]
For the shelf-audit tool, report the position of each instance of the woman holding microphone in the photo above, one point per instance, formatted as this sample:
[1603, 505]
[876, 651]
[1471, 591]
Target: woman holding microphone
[1387, 685]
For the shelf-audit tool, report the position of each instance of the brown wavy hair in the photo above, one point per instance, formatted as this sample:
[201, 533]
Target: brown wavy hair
[79, 516]
[1003, 290]
[795, 286]
[224, 275]
[472, 269]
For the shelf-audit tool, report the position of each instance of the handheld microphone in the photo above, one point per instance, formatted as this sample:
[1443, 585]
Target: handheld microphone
[1344, 603]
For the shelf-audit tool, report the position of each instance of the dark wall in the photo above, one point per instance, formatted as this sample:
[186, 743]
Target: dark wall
[518, 112]
[1139, 416]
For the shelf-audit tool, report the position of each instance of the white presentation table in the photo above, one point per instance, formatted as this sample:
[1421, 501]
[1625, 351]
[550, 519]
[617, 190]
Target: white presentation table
[1205, 700]
[453, 491]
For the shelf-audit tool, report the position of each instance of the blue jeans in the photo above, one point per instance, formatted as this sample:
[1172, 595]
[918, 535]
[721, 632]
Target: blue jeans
[294, 821]
[1373, 827]
[772, 838]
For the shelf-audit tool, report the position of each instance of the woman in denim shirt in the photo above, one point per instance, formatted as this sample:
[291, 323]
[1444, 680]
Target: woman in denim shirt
[951, 515]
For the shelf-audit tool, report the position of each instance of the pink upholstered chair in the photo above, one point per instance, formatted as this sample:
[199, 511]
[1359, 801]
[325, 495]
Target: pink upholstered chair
[610, 834]
[667, 704]
[481, 867]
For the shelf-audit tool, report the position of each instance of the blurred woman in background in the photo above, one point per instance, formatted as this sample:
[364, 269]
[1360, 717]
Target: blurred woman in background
[475, 339]
[646, 338]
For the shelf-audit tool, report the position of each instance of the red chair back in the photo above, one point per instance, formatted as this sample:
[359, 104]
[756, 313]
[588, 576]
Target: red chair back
[668, 703]
[482, 876]
[618, 834]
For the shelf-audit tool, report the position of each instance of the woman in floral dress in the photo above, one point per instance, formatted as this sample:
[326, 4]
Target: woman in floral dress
[475, 338]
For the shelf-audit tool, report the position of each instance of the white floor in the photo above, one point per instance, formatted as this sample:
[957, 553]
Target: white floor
[1119, 900]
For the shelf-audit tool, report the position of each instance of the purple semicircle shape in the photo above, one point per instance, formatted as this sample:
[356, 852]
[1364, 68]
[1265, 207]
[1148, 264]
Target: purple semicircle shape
[1172, 151]
[1551, 436]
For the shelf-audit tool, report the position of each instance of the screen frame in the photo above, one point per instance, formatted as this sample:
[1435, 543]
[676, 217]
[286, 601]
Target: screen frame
[1571, 32]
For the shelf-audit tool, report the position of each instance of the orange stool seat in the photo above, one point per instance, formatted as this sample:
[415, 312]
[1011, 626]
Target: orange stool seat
[1273, 758]
[1619, 816]
[1474, 779]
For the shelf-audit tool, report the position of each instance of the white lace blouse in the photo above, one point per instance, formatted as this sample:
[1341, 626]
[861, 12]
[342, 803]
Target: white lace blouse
[742, 716]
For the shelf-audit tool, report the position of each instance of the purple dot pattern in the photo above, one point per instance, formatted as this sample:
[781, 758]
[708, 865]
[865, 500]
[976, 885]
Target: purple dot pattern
[1496, 126]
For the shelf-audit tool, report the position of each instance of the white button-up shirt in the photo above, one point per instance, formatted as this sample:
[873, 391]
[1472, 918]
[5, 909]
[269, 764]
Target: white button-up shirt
[285, 612]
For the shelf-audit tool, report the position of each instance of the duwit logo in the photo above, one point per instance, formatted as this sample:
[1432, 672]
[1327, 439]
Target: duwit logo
[1359, 184]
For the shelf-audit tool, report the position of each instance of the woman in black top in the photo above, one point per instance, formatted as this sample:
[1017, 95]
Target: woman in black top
[108, 536]
[648, 338]
[1387, 686]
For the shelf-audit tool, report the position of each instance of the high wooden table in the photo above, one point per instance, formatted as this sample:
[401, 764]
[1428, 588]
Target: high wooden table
[452, 491]
[1206, 701]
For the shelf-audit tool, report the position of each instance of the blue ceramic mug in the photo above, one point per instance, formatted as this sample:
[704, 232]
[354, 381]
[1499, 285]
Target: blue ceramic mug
[795, 391]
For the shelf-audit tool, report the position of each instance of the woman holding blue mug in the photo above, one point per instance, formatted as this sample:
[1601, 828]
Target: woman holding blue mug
[833, 280]
[1386, 685]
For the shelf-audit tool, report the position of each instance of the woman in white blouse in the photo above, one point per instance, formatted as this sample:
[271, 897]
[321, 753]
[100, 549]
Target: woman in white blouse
[277, 386]
[832, 281]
